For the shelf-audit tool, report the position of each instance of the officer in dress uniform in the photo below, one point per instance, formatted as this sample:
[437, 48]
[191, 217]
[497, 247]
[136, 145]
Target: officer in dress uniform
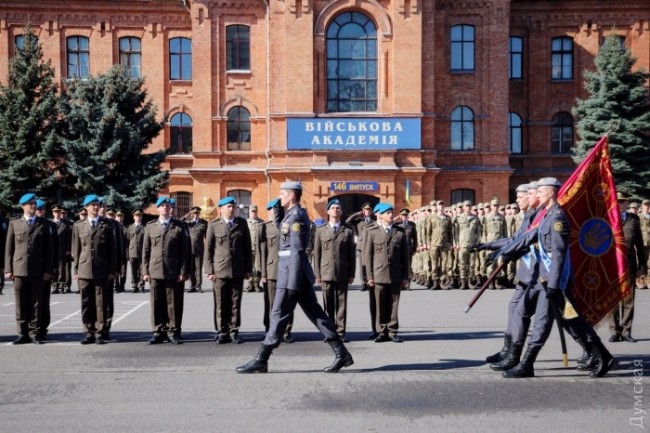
[228, 261]
[269, 243]
[198, 228]
[94, 254]
[334, 265]
[44, 303]
[165, 264]
[64, 242]
[29, 253]
[135, 234]
[295, 285]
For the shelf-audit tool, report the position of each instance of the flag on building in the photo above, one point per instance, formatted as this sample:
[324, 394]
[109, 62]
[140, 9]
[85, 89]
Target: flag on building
[597, 249]
[407, 192]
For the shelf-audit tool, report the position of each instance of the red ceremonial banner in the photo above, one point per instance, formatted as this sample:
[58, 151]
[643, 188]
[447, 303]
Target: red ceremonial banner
[599, 267]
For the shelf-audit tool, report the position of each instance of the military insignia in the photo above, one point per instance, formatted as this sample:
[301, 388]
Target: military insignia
[295, 227]
[558, 227]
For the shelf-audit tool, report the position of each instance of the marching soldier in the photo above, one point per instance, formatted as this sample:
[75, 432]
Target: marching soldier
[334, 265]
[94, 254]
[135, 234]
[165, 264]
[254, 224]
[28, 262]
[295, 285]
[64, 242]
[198, 228]
[269, 248]
[228, 261]
[386, 254]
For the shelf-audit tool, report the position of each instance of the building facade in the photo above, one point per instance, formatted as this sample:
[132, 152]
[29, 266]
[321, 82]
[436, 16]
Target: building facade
[394, 100]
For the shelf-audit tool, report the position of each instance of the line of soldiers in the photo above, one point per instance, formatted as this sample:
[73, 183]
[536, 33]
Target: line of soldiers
[444, 259]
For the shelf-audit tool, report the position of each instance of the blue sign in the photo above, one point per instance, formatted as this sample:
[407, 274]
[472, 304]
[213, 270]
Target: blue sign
[353, 133]
[354, 186]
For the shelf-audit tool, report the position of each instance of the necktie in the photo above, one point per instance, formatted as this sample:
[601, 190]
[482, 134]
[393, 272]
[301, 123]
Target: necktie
[229, 224]
[387, 230]
[92, 224]
[164, 226]
[335, 229]
[30, 222]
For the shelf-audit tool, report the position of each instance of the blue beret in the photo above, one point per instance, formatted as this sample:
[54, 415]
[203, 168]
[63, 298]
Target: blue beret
[549, 181]
[27, 198]
[40, 204]
[161, 201]
[226, 200]
[331, 202]
[296, 186]
[383, 207]
[172, 201]
[273, 203]
[376, 208]
[91, 198]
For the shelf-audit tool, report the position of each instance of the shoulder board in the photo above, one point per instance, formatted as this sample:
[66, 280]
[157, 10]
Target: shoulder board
[79, 222]
[214, 220]
[16, 218]
[152, 222]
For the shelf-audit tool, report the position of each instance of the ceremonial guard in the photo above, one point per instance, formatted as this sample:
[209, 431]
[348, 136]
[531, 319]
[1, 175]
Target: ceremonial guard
[135, 235]
[228, 261]
[620, 322]
[198, 228]
[295, 285]
[269, 244]
[64, 254]
[386, 255]
[254, 225]
[95, 261]
[334, 265]
[165, 264]
[28, 262]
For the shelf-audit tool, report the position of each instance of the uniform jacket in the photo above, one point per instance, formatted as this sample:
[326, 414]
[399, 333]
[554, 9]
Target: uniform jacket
[293, 266]
[135, 234]
[269, 247]
[495, 227]
[4, 226]
[468, 230]
[411, 234]
[357, 221]
[386, 256]
[29, 250]
[645, 228]
[634, 243]
[228, 251]
[166, 253]
[198, 231]
[94, 252]
[334, 253]
[64, 239]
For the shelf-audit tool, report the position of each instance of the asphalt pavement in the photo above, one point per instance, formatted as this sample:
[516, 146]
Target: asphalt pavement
[436, 381]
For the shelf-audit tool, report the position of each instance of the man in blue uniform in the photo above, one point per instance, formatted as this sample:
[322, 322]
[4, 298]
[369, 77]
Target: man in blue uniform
[295, 285]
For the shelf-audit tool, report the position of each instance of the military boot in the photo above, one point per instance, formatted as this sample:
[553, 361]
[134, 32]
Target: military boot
[343, 357]
[525, 367]
[501, 355]
[463, 284]
[436, 284]
[603, 360]
[259, 364]
[511, 359]
[586, 361]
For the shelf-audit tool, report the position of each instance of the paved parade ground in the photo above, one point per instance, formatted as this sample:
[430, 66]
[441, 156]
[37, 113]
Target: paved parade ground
[435, 381]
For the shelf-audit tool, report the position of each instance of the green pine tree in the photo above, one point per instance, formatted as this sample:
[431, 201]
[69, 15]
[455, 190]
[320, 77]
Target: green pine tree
[109, 125]
[28, 125]
[617, 94]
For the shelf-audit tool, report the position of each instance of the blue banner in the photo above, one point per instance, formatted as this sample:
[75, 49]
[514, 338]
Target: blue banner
[353, 133]
[354, 186]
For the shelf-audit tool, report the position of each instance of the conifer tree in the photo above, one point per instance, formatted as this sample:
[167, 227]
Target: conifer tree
[109, 125]
[617, 93]
[28, 123]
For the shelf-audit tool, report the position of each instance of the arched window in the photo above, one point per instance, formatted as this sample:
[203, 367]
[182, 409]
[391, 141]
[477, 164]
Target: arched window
[516, 135]
[238, 48]
[462, 128]
[183, 203]
[562, 133]
[243, 199]
[181, 134]
[130, 56]
[239, 129]
[562, 58]
[462, 48]
[351, 63]
[460, 195]
[516, 58]
[78, 50]
[180, 59]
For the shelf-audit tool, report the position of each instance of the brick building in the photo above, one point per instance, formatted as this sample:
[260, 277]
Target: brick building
[362, 99]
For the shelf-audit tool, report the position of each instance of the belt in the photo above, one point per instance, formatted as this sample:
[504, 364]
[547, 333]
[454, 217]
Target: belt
[284, 253]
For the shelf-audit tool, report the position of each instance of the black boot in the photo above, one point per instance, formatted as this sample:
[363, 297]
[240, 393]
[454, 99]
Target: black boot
[342, 359]
[586, 361]
[511, 359]
[525, 367]
[500, 356]
[435, 284]
[259, 364]
[463, 284]
[603, 360]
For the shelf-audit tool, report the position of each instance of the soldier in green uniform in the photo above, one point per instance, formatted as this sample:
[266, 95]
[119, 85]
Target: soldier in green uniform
[644, 219]
[135, 234]
[468, 234]
[254, 224]
[198, 228]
